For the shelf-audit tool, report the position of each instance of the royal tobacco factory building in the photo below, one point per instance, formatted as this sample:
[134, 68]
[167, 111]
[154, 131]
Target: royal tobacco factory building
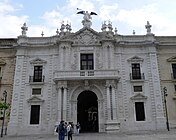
[105, 81]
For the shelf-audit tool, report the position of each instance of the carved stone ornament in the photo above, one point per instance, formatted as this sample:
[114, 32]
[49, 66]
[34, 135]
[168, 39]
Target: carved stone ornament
[86, 37]
[38, 61]
[35, 99]
[172, 59]
[2, 62]
[135, 59]
[139, 96]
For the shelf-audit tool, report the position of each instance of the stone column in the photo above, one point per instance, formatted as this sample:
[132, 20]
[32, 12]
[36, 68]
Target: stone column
[101, 115]
[62, 99]
[64, 103]
[114, 108]
[108, 103]
[59, 91]
[73, 112]
[112, 124]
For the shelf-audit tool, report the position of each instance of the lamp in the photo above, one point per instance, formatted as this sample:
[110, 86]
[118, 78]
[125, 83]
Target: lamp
[5, 97]
[165, 95]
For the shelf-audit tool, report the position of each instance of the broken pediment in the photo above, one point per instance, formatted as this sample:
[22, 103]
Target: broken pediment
[135, 59]
[37, 61]
[35, 99]
[2, 62]
[172, 59]
[138, 96]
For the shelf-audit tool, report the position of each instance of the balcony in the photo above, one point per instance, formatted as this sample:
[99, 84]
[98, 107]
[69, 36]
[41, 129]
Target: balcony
[36, 80]
[86, 74]
[138, 77]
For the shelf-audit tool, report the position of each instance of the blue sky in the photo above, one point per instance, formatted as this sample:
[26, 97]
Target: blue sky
[125, 15]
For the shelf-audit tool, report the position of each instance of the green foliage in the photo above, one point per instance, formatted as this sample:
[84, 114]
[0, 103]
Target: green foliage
[3, 106]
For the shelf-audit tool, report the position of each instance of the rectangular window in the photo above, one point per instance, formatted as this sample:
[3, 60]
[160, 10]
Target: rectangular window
[35, 114]
[137, 88]
[136, 73]
[0, 73]
[36, 91]
[140, 112]
[174, 70]
[87, 62]
[37, 74]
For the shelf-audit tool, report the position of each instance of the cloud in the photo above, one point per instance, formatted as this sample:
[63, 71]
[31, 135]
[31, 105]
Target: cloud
[87, 5]
[137, 18]
[10, 23]
[160, 18]
[108, 12]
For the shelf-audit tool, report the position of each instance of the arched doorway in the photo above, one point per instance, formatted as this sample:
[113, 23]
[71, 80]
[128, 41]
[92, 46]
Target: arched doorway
[87, 111]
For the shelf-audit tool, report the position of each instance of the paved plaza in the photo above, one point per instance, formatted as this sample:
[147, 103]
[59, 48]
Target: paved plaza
[142, 135]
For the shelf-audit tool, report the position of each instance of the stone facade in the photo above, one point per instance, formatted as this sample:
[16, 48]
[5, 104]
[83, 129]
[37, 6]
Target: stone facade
[119, 72]
[166, 52]
[7, 69]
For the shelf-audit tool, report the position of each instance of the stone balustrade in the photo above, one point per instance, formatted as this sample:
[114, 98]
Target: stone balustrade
[86, 74]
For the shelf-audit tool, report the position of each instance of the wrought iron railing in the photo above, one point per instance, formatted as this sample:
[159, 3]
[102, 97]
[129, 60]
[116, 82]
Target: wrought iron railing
[36, 79]
[137, 77]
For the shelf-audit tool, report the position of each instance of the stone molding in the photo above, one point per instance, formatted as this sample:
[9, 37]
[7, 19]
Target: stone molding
[38, 61]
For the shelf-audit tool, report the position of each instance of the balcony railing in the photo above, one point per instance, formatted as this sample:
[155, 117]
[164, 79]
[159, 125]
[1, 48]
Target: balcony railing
[86, 74]
[137, 77]
[34, 79]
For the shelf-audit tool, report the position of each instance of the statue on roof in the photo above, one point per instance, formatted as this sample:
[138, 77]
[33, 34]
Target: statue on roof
[24, 29]
[87, 17]
[148, 27]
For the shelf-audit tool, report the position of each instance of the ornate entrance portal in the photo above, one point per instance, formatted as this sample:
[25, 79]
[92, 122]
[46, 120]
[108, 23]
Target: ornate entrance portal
[87, 111]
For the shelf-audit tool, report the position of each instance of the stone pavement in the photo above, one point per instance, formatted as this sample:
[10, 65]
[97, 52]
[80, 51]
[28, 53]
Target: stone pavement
[141, 135]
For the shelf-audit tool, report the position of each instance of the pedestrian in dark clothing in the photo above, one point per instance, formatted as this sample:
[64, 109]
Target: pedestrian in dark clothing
[61, 131]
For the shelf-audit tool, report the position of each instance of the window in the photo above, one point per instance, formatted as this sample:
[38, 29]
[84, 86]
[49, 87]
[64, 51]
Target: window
[0, 73]
[175, 87]
[36, 91]
[140, 112]
[35, 114]
[37, 74]
[137, 88]
[136, 73]
[174, 70]
[87, 62]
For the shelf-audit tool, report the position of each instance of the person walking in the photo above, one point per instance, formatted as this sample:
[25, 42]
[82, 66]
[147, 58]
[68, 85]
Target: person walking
[70, 130]
[77, 128]
[61, 130]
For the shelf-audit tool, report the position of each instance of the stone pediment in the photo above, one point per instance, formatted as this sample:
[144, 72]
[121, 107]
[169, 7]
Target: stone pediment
[172, 59]
[37, 61]
[2, 62]
[138, 96]
[86, 36]
[135, 59]
[35, 99]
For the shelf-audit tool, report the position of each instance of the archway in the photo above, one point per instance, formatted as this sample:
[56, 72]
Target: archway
[87, 111]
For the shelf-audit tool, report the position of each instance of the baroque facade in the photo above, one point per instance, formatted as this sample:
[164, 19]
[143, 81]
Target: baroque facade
[166, 52]
[7, 70]
[106, 81]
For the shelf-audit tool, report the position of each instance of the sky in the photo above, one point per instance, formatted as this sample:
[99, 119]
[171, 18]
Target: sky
[125, 15]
